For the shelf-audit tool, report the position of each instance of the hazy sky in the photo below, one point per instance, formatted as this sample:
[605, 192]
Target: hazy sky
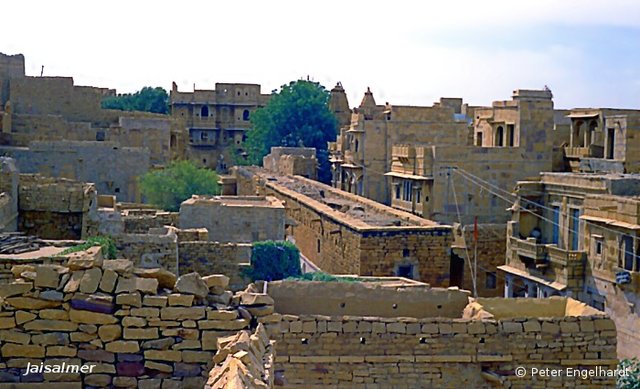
[587, 52]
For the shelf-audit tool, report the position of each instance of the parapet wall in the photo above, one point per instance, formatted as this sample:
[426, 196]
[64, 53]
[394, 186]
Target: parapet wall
[439, 352]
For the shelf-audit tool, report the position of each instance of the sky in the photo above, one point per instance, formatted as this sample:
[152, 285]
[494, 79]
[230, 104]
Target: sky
[408, 52]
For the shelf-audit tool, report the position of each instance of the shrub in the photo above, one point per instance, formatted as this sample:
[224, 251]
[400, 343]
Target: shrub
[272, 261]
[107, 244]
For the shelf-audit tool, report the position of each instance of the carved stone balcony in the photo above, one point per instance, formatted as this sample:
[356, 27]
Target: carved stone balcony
[564, 257]
[528, 248]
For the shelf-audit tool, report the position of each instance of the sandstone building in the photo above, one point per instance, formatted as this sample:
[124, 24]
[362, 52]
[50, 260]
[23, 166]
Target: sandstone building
[575, 234]
[216, 121]
[347, 234]
[238, 219]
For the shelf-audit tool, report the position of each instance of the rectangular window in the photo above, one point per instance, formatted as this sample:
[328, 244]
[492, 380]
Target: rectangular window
[556, 225]
[626, 246]
[318, 244]
[597, 245]
[574, 225]
[490, 280]
[398, 191]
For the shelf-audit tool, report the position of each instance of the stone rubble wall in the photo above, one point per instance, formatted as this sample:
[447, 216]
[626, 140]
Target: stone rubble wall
[243, 360]
[358, 352]
[140, 223]
[138, 327]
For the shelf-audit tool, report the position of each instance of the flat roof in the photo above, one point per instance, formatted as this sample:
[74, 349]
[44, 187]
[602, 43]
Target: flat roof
[235, 201]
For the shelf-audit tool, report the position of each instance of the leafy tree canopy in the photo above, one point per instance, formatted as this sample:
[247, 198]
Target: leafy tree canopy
[147, 99]
[296, 116]
[169, 187]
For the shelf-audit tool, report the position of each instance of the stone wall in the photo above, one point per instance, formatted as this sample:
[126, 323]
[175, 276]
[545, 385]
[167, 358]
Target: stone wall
[158, 247]
[56, 208]
[140, 221]
[294, 161]
[235, 219]
[438, 352]
[122, 326]
[113, 169]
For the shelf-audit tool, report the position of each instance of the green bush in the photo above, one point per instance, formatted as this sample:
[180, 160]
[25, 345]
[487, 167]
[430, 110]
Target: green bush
[320, 276]
[272, 261]
[107, 244]
[169, 187]
[632, 380]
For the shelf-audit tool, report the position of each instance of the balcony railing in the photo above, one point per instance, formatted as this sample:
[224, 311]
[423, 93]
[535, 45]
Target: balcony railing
[593, 151]
[564, 257]
[529, 248]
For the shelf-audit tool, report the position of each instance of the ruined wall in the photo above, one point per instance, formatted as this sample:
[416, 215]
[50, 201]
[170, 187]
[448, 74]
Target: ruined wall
[156, 248]
[113, 169]
[11, 66]
[356, 351]
[294, 161]
[140, 221]
[56, 208]
[125, 330]
[206, 257]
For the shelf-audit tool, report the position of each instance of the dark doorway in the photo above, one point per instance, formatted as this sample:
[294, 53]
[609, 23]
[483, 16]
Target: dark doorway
[611, 133]
[456, 270]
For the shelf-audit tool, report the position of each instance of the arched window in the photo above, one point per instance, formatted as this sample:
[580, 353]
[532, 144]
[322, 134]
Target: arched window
[204, 111]
[172, 142]
[245, 115]
[499, 136]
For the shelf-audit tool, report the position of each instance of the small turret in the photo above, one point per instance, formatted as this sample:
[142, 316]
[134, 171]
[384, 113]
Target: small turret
[339, 105]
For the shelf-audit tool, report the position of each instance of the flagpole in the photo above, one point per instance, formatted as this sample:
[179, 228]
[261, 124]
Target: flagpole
[475, 256]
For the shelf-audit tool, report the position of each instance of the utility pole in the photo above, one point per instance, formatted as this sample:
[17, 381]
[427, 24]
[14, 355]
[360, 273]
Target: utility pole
[475, 256]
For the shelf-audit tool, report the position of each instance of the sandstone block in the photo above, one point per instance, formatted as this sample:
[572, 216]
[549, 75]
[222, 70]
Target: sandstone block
[98, 380]
[190, 356]
[14, 337]
[52, 338]
[15, 289]
[50, 325]
[140, 333]
[88, 328]
[109, 332]
[185, 300]
[604, 325]
[172, 313]
[165, 278]
[133, 299]
[54, 314]
[90, 280]
[31, 303]
[155, 301]
[88, 317]
[162, 367]
[130, 321]
[146, 312]
[123, 267]
[17, 270]
[22, 350]
[158, 344]
[97, 355]
[51, 295]
[163, 355]
[256, 299]
[192, 283]
[92, 257]
[62, 351]
[511, 327]
[123, 346]
[108, 281]
[216, 280]
[24, 316]
[46, 277]
[73, 284]
[7, 322]
[222, 315]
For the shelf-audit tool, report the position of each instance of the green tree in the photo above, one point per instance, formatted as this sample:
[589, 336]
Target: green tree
[631, 378]
[297, 115]
[147, 99]
[271, 260]
[169, 187]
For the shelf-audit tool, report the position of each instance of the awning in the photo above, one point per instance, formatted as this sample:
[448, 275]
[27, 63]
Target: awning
[611, 222]
[409, 176]
[523, 274]
[583, 115]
